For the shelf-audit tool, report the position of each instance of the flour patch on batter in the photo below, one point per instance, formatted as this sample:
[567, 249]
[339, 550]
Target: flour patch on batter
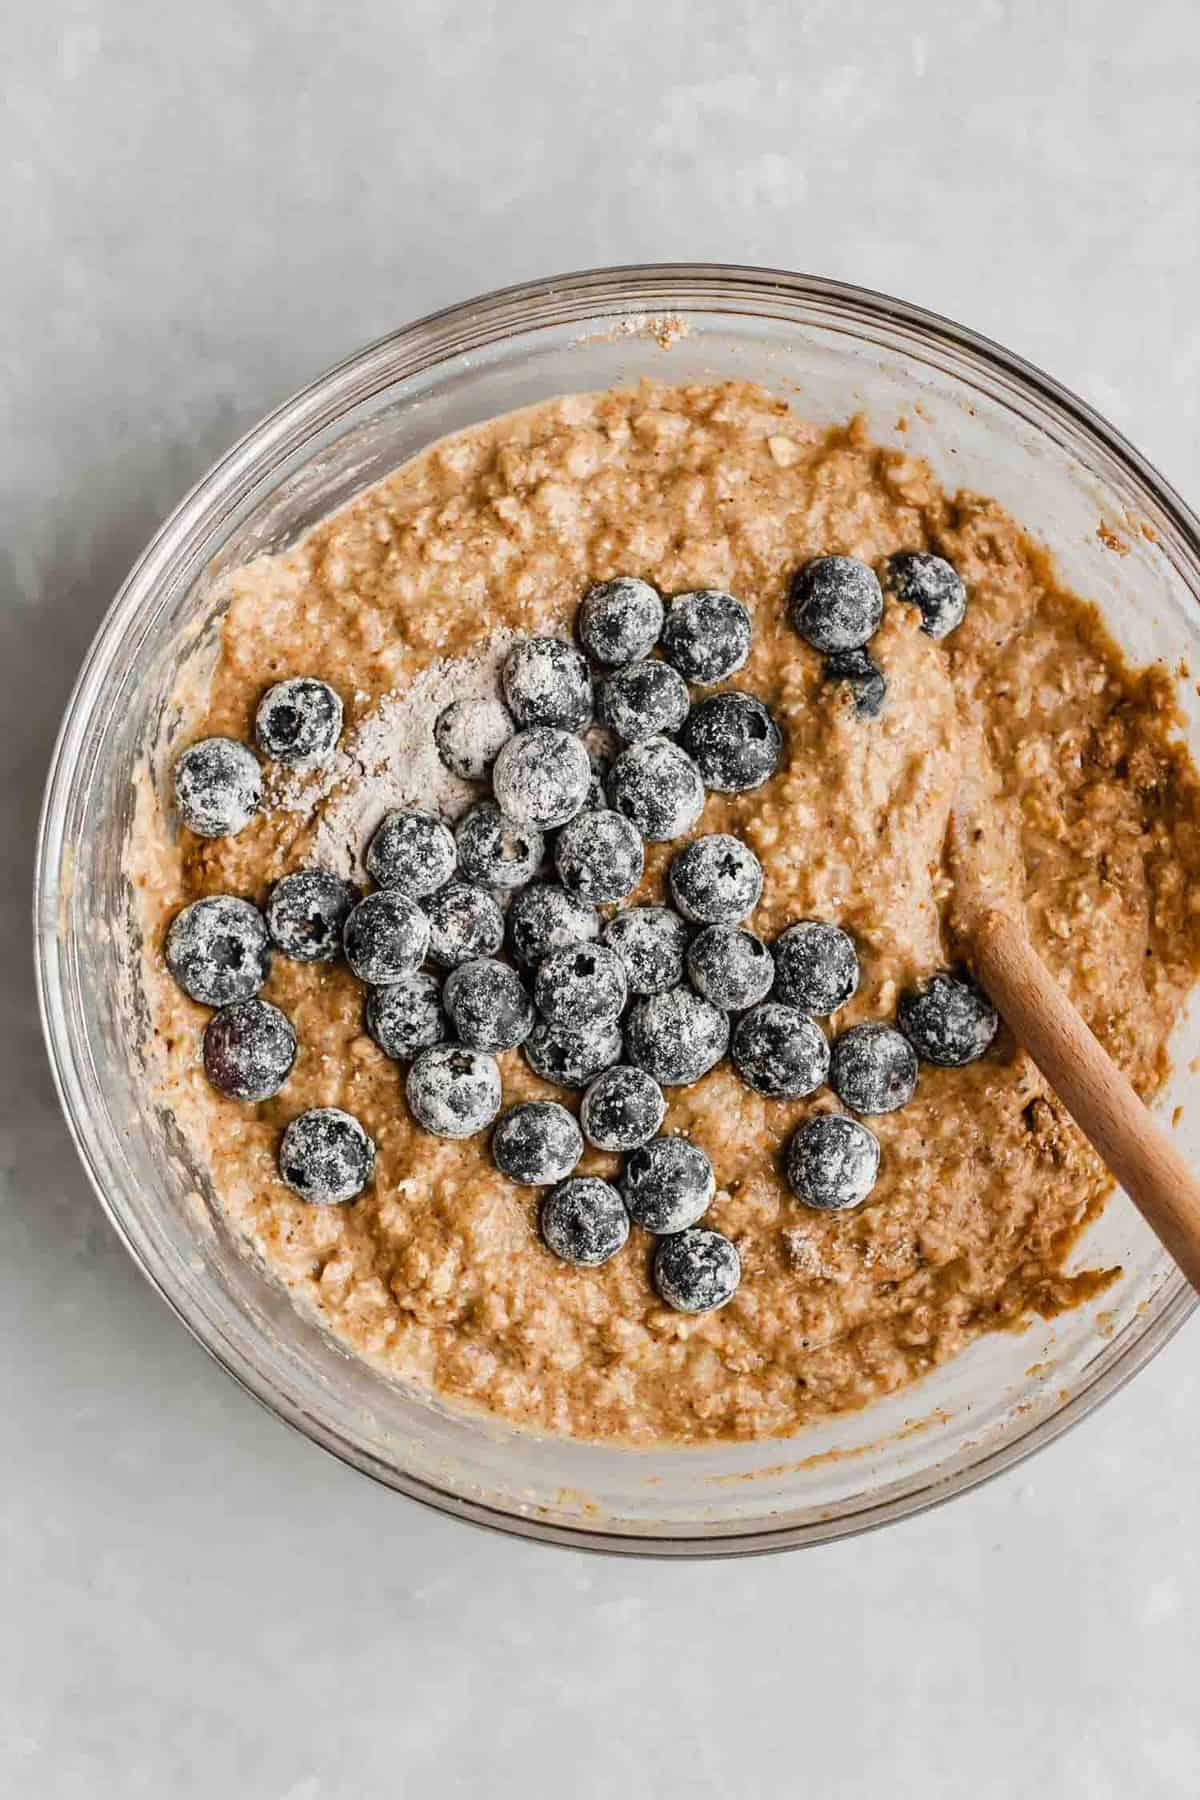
[390, 759]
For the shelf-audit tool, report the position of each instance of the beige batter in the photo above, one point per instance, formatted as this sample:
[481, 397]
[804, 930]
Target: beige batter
[437, 1271]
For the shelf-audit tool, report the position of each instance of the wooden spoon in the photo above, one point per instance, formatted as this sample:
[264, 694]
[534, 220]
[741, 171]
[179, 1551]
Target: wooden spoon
[1120, 1128]
[1123, 1131]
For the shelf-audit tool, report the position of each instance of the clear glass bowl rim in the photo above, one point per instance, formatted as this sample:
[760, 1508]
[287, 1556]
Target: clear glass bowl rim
[654, 290]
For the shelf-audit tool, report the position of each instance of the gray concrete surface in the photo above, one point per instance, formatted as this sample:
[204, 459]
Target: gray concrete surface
[203, 207]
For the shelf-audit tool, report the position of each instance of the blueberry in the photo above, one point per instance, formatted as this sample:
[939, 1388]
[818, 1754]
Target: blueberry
[619, 620]
[622, 1108]
[706, 635]
[218, 787]
[933, 585]
[487, 1005]
[412, 852]
[599, 856]
[464, 922]
[677, 1037]
[730, 966]
[733, 741]
[544, 917]
[406, 1016]
[948, 1020]
[836, 603]
[218, 950]
[873, 1069]
[298, 722]
[546, 682]
[645, 700]
[715, 880]
[537, 1143]
[816, 967]
[584, 1221]
[651, 941]
[326, 1157]
[495, 851]
[657, 786]
[696, 1271]
[470, 734]
[542, 777]
[385, 937]
[452, 1091]
[572, 1058]
[668, 1185]
[249, 1049]
[863, 677]
[779, 1052]
[307, 914]
[580, 987]
[832, 1162]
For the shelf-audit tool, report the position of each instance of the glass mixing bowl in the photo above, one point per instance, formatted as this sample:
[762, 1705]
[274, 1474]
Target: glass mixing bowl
[986, 421]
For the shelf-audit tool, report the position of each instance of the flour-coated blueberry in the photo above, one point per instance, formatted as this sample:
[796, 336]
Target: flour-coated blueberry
[385, 937]
[932, 585]
[832, 1162]
[545, 917]
[584, 1221]
[218, 950]
[730, 966]
[537, 1143]
[677, 1037]
[658, 787]
[644, 700]
[580, 987]
[546, 682]
[620, 620]
[779, 1052]
[696, 1271]
[307, 913]
[622, 1108]
[571, 1058]
[668, 1185]
[873, 1068]
[652, 942]
[836, 603]
[487, 1004]
[542, 777]
[816, 967]
[299, 722]
[218, 787]
[407, 1015]
[470, 733]
[599, 856]
[465, 921]
[249, 1049]
[733, 741]
[412, 851]
[706, 635]
[716, 879]
[326, 1157]
[497, 852]
[452, 1091]
[947, 1019]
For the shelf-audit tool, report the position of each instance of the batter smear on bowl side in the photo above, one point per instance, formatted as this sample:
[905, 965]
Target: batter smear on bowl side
[779, 1160]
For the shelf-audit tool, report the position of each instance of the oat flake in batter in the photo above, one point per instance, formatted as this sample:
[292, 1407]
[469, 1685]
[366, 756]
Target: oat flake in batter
[437, 1272]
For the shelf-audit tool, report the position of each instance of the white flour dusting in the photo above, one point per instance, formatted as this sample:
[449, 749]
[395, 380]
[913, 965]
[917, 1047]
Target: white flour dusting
[390, 759]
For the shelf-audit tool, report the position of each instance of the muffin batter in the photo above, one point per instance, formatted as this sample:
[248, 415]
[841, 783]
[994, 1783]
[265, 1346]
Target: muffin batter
[437, 1271]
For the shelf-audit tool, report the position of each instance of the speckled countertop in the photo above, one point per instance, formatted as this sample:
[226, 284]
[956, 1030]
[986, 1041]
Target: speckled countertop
[205, 208]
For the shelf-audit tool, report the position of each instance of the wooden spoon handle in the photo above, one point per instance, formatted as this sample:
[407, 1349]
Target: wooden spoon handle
[1098, 1097]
